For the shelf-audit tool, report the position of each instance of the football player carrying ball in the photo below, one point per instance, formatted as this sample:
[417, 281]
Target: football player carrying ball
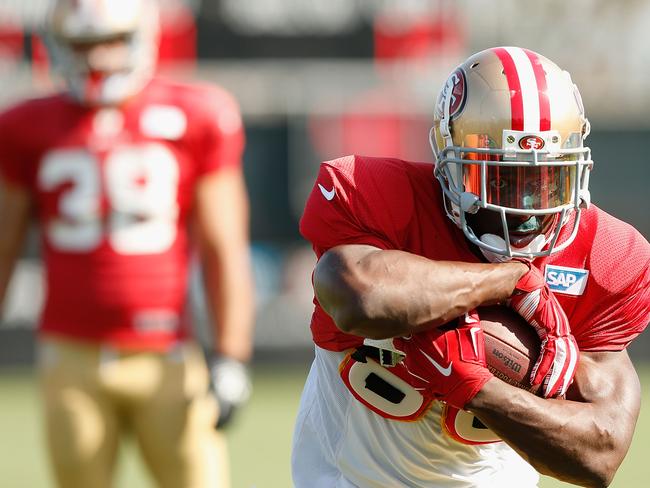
[403, 263]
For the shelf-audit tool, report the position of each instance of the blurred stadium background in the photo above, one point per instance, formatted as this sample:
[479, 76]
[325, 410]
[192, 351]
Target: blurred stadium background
[317, 79]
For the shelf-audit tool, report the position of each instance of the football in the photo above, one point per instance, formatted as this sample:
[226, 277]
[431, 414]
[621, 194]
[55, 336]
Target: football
[511, 346]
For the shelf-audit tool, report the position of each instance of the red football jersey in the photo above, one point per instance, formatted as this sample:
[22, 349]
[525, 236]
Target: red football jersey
[602, 280]
[113, 190]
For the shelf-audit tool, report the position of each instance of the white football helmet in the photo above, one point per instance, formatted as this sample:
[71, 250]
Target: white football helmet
[109, 76]
[507, 138]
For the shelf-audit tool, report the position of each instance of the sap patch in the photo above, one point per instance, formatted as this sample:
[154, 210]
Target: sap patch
[570, 281]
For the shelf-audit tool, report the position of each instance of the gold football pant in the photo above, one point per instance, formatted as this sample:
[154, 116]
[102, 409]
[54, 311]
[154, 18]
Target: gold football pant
[93, 393]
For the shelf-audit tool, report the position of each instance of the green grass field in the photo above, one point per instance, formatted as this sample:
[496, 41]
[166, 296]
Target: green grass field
[260, 440]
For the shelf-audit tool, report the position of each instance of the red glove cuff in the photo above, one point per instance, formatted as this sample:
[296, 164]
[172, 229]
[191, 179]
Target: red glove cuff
[461, 394]
[530, 281]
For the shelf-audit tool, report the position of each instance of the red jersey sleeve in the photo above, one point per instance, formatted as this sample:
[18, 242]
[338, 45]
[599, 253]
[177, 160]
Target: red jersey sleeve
[13, 165]
[345, 206]
[618, 305]
[221, 138]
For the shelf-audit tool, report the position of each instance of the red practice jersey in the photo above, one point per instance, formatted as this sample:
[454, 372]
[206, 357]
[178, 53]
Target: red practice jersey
[113, 190]
[602, 280]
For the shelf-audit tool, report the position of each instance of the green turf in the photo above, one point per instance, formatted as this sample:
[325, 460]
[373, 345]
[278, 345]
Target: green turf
[260, 440]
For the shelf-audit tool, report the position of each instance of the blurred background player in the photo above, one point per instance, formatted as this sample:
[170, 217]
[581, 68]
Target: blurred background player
[127, 175]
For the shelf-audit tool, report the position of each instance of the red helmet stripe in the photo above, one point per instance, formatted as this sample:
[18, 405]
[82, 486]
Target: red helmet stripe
[516, 98]
[544, 104]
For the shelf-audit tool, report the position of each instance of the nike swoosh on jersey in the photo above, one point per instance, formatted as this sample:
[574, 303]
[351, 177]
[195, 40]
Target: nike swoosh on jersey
[443, 371]
[328, 194]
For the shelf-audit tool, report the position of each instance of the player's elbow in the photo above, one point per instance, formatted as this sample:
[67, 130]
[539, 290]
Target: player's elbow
[347, 319]
[350, 313]
[354, 312]
[342, 291]
[585, 473]
[613, 445]
[602, 471]
[600, 464]
[350, 292]
[597, 479]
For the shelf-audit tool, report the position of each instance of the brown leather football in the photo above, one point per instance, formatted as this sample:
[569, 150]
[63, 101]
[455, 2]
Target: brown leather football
[511, 346]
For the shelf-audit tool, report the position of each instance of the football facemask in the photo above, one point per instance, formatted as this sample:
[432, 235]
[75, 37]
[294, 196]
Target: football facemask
[105, 50]
[508, 139]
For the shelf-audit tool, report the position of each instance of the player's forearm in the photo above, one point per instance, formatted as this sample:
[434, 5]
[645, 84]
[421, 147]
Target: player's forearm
[567, 440]
[229, 293]
[14, 215]
[6, 269]
[381, 294]
[8, 258]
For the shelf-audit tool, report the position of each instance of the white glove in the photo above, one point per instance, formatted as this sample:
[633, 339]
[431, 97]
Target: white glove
[231, 385]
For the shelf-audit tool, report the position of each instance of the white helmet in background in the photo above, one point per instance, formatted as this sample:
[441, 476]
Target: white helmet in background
[105, 50]
[507, 138]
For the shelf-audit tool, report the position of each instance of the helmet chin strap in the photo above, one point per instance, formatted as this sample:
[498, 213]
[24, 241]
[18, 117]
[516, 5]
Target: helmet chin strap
[534, 246]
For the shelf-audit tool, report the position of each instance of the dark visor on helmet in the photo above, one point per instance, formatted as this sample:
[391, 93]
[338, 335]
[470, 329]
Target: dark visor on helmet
[524, 187]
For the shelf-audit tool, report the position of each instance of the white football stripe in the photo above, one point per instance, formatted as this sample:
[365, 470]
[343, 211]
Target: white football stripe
[558, 321]
[562, 319]
[573, 351]
[529, 92]
[558, 362]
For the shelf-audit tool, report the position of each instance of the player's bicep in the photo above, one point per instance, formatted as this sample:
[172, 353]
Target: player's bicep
[609, 382]
[338, 278]
[222, 211]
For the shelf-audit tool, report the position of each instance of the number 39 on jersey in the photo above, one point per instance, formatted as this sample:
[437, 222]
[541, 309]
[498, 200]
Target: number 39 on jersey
[137, 183]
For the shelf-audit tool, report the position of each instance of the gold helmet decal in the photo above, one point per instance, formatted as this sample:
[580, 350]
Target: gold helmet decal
[452, 93]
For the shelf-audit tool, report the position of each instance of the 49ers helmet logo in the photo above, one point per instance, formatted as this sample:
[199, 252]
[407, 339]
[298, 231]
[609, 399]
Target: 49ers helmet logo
[455, 90]
[531, 142]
